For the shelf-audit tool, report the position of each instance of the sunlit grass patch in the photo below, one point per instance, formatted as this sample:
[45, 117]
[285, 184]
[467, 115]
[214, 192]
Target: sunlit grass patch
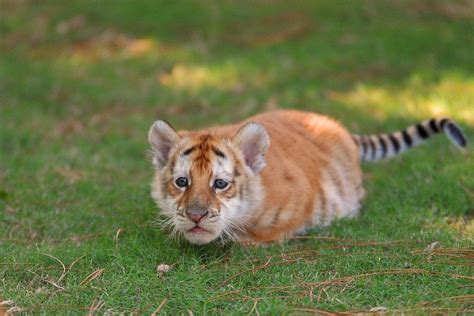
[449, 96]
[193, 78]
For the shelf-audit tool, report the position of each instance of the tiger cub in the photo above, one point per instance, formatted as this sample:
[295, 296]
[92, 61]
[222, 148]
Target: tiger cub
[271, 176]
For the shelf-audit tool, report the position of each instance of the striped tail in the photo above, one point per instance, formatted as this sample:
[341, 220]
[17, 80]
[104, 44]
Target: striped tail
[384, 146]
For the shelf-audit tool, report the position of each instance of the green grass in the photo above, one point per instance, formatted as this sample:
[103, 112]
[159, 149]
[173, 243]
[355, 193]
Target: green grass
[82, 81]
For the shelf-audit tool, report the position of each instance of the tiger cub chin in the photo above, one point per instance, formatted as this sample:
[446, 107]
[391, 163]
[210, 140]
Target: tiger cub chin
[271, 176]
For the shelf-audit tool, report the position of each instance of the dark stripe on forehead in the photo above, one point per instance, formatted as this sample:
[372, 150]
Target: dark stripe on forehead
[218, 152]
[205, 138]
[189, 150]
[202, 159]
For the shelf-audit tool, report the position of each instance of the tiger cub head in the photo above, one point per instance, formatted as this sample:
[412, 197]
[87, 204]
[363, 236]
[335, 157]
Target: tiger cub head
[207, 183]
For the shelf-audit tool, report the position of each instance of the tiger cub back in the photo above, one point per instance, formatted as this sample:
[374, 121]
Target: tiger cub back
[312, 176]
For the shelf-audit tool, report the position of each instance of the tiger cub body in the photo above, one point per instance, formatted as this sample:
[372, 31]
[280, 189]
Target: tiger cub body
[270, 177]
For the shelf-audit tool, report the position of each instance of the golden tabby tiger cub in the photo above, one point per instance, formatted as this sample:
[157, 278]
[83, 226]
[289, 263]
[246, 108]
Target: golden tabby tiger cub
[270, 177]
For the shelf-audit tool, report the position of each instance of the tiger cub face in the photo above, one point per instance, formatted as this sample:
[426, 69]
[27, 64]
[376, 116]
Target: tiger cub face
[205, 183]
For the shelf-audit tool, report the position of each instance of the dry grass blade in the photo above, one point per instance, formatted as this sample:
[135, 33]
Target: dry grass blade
[333, 282]
[393, 272]
[323, 238]
[69, 268]
[312, 311]
[62, 265]
[311, 294]
[95, 307]
[157, 310]
[351, 242]
[435, 310]
[94, 275]
[263, 266]
[410, 311]
[460, 298]
[449, 252]
[119, 232]
[59, 287]
[345, 246]
[66, 309]
[16, 241]
[254, 308]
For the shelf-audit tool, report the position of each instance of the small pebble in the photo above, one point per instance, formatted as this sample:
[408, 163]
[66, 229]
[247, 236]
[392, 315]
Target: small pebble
[162, 269]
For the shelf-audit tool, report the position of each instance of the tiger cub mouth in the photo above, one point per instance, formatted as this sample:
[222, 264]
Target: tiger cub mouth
[198, 230]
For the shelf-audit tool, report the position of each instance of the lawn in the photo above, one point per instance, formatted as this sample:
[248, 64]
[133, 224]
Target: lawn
[81, 82]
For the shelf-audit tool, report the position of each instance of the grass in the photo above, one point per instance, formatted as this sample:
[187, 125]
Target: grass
[82, 81]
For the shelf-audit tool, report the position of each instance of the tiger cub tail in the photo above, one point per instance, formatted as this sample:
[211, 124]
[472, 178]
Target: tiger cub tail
[384, 146]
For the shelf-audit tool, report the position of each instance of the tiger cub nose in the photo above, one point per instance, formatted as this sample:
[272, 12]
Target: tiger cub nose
[196, 215]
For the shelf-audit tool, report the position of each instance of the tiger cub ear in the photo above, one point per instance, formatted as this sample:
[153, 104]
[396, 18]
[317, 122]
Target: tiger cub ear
[253, 141]
[162, 137]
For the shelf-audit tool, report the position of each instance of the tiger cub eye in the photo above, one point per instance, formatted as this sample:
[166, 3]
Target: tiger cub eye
[220, 184]
[181, 182]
